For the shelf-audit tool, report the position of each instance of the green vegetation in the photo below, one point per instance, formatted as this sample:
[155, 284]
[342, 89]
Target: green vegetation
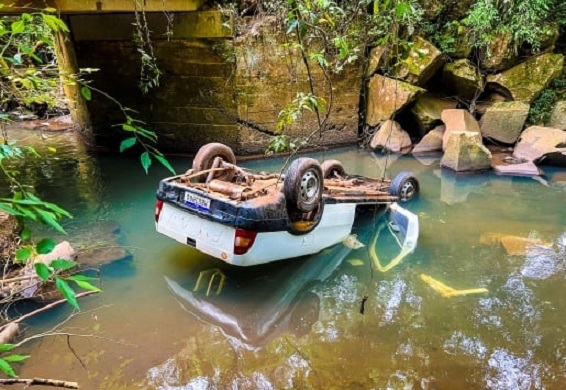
[541, 109]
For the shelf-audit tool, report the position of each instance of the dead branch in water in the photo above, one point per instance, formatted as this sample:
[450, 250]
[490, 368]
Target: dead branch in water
[40, 381]
[44, 308]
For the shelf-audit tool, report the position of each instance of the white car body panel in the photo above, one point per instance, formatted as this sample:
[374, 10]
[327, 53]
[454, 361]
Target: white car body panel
[217, 240]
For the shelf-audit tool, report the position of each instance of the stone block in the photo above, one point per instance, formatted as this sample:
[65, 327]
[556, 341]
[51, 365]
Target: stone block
[526, 81]
[465, 152]
[504, 121]
[558, 116]
[458, 120]
[387, 96]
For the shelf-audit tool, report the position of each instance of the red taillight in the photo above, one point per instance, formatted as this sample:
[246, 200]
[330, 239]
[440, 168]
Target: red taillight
[158, 207]
[243, 241]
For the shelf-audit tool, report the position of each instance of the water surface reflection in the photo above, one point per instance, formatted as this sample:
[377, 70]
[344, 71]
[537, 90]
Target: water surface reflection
[297, 324]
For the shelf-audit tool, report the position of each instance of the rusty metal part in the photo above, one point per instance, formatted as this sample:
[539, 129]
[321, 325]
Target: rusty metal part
[234, 191]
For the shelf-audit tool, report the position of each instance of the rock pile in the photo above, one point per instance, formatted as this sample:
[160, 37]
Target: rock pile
[461, 110]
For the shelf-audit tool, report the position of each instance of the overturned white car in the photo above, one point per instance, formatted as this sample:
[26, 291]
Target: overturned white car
[247, 218]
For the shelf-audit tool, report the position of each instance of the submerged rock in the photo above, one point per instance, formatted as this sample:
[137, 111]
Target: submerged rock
[465, 152]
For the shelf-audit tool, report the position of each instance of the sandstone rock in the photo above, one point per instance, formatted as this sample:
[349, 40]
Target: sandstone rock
[386, 96]
[526, 81]
[537, 142]
[431, 142]
[458, 120]
[504, 121]
[488, 101]
[516, 246]
[522, 169]
[420, 63]
[96, 257]
[376, 57]
[391, 137]
[500, 54]
[462, 78]
[427, 109]
[62, 250]
[558, 116]
[465, 152]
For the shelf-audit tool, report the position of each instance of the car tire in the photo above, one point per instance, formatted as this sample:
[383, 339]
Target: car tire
[331, 167]
[205, 158]
[404, 186]
[303, 185]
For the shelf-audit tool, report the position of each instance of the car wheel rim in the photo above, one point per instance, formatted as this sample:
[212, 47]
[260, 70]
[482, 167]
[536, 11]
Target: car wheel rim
[407, 191]
[309, 187]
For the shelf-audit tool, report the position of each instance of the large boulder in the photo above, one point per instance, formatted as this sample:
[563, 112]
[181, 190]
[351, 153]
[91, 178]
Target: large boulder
[541, 144]
[558, 116]
[431, 142]
[465, 152]
[504, 121]
[390, 137]
[420, 62]
[376, 59]
[526, 81]
[462, 78]
[386, 96]
[428, 108]
[499, 54]
[458, 120]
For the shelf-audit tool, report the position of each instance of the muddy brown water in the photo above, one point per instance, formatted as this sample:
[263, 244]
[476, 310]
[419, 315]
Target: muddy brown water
[296, 323]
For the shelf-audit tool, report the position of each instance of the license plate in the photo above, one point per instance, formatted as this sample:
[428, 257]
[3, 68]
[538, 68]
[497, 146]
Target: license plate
[197, 202]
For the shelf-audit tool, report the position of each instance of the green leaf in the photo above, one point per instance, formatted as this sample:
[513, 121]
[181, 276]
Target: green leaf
[85, 91]
[81, 278]
[127, 143]
[50, 10]
[7, 368]
[128, 127]
[8, 209]
[18, 27]
[26, 234]
[16, 358]
[6, 347]
[165, 163]
[23, 254]
[63, 264]
[49, 219]
[42, 271]
[45, 246]
[145, 161]
[86, 285]
[67, 292]
[51, 149]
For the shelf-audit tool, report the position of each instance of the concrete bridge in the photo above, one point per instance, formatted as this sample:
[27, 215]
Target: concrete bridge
[213, 86]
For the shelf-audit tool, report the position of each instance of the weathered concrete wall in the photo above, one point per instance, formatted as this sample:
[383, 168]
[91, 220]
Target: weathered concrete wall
[211, 85]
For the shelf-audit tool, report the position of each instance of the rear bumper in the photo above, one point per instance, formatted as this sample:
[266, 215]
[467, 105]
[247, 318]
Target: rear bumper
[217, 239]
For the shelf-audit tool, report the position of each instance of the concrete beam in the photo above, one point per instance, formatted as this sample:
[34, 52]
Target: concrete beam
[98, 6]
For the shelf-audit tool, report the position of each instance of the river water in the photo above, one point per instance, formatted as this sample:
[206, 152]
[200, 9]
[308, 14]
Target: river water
[297, 323]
